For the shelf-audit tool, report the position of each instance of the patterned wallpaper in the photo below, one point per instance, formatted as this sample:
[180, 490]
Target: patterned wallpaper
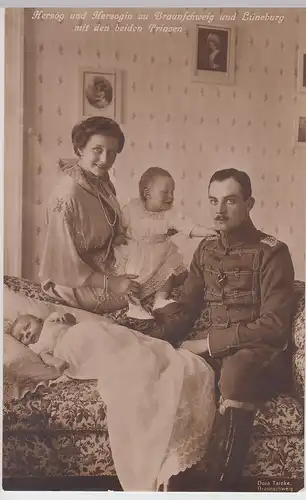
[191, 129]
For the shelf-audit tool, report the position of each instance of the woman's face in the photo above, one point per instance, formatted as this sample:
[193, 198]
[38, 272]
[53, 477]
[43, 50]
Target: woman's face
[213, 46]
[99, 154]
[99, 91]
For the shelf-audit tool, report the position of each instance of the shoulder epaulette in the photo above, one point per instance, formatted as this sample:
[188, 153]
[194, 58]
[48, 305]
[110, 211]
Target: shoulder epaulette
[211, 237]
[269, 240]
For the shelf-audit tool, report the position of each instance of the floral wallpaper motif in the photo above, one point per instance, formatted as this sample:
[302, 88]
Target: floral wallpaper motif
[191, 129]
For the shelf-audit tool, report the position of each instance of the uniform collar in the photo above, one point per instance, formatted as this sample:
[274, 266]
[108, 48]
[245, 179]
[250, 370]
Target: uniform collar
[245, 233]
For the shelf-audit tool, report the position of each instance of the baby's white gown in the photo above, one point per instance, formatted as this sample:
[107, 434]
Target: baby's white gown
[160, 400]
[154, 262]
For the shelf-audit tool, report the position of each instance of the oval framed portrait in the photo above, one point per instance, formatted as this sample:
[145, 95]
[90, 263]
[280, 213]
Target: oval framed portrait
[101, 93]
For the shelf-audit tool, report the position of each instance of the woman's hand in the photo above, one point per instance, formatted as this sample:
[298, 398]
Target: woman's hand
[124, 285]
[120, 239]
[195, 346]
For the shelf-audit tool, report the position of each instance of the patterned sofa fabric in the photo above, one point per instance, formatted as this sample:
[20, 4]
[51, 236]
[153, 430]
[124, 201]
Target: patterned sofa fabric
[67, 453]
[73, 405]
[69, 434]
[298, 338]
[277, 457]
[62, 430]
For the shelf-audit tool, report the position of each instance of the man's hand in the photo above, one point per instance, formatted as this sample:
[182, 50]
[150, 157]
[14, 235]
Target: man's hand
[124, 285]
[195, 346]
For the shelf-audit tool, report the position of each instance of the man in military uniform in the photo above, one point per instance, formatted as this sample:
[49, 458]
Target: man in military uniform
[245, 279]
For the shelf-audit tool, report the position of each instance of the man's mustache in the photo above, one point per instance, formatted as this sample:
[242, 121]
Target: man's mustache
[221, 217]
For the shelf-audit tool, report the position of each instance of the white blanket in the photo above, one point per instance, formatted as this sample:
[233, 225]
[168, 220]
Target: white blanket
[160, 401]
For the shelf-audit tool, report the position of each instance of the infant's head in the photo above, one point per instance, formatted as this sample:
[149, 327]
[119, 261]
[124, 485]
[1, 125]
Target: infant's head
[27, 329]
[156, 189]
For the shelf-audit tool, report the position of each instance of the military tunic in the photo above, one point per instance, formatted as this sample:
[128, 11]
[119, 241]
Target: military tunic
[245, 280]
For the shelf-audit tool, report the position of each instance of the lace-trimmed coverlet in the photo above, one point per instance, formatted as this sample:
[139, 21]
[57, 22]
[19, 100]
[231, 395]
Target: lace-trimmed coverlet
[160, 401]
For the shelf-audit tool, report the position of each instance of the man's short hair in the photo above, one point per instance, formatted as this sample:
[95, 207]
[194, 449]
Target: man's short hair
[241, 177]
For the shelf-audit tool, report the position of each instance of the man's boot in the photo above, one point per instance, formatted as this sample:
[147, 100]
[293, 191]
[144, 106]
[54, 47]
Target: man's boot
[228, 449]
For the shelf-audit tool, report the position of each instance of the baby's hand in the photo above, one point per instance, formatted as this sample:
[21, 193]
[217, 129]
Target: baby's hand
[68, 319]
[171, 232]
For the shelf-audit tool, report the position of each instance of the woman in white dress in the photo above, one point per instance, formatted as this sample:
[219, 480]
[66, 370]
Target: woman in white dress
[149, 221]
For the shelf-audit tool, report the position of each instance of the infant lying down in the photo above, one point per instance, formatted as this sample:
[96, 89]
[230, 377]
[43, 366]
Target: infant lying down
[160, 400]
[43, 336]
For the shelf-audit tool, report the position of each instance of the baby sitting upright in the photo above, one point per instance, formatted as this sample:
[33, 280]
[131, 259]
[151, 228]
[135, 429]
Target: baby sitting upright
[42, 336]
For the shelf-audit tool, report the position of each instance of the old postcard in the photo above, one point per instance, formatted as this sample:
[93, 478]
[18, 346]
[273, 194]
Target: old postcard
[154, 257]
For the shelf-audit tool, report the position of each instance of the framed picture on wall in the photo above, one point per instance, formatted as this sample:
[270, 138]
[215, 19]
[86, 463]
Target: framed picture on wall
[213, 54]
[301, 70]
[301, 132]
[101, 93]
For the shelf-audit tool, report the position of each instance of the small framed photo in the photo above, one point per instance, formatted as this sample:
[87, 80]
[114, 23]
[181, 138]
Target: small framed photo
[301, 132]
[301, 70]
[101, 93]
[213, 54]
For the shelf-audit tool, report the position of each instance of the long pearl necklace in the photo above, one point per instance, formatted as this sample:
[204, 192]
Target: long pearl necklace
[100, 199]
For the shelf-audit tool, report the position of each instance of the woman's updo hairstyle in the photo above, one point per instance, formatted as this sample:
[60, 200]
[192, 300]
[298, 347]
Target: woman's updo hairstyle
[95, 125]
[148, 176]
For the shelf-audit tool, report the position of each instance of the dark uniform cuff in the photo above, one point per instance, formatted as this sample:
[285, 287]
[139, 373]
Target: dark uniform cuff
[221, 341]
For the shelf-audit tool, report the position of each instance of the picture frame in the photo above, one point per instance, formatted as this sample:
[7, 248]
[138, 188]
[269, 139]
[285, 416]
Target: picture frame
[213, 54]
[101, 93]
[301, 132]
[301, 70]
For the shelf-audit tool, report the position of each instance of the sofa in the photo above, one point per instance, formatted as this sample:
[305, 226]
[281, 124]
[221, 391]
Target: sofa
[55, 436]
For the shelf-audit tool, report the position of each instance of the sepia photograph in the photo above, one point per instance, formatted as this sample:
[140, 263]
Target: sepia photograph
[154, 253]
[214, 54]
[212, 49]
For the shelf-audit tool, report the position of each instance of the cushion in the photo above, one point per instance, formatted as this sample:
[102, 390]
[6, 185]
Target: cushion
[23, 371]
[31, 290]
[16, 303]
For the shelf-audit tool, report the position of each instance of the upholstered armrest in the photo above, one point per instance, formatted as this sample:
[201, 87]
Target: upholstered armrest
[298, 341]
